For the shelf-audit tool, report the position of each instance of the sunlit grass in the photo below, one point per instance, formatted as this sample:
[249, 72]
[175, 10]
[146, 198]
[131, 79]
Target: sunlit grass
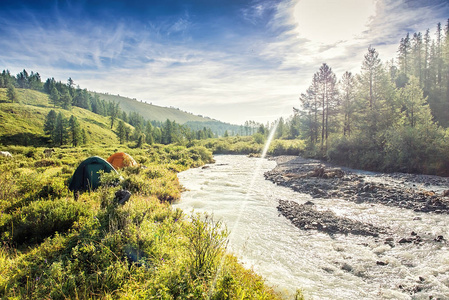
[54, 246]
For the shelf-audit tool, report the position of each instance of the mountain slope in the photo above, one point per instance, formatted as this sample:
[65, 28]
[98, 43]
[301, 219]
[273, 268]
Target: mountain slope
[152, 112]
[22, 123]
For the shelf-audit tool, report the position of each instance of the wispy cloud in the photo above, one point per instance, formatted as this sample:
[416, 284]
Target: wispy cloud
[249, 62]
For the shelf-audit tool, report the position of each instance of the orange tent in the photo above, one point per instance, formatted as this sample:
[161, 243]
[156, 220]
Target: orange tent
[121, 159]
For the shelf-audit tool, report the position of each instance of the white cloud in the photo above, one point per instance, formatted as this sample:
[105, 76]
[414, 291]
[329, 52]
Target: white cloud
[331, 21]
[259, 78]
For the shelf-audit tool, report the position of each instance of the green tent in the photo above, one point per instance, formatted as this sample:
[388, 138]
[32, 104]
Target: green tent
[86, 176]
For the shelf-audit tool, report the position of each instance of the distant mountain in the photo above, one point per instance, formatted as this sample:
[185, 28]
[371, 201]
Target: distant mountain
[152, 112]
[219, 128]
[158, 113]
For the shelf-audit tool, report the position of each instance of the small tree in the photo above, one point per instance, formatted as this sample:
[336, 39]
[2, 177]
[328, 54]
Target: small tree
[75, 131]
[54, 96]
[127, 133]
[121, 131]
[50, 122]
[11, 93]
[83, 136]
[114, 111]
[66, 100]
[60, 134]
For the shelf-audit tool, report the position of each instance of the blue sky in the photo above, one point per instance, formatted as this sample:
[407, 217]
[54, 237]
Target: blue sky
[227, 59]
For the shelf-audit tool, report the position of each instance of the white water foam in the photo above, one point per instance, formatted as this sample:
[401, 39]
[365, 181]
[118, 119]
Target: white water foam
[323, 266]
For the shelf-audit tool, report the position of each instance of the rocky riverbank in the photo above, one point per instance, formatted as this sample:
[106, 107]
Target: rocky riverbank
[326, 181]
[306, 217]
[321, 180]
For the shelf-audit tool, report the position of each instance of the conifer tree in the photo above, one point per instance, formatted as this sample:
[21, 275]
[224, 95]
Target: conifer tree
[50, 122]
[75, 131]
[327, 93]
[60, 134]
[121, 131]
[83, 136]
[404, 55]
[347, 86]
[66, 100]
[149, 133]
[113, 111]
[417, 56]
[11, 93]
[426, 61]
[415, 109]
[54, 96]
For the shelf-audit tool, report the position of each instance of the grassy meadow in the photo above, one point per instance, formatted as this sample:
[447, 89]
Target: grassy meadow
[23, 123]
[56, 247]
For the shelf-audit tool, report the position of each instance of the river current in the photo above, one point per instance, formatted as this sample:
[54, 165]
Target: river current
[323, 266]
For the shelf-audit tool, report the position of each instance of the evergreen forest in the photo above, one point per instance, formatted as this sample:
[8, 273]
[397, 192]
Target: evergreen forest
[392, 116]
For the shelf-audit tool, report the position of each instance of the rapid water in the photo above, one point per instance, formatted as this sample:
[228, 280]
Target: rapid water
[323, 266]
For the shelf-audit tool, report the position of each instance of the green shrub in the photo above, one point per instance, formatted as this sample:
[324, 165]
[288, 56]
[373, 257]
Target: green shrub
[46, 163]
[207, 241]
[41, 219]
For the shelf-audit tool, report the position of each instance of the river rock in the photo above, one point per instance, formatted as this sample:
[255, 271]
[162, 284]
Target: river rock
[306, 217]
[321, 180]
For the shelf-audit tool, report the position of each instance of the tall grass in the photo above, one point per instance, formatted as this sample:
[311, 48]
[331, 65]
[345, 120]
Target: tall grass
[56, 247]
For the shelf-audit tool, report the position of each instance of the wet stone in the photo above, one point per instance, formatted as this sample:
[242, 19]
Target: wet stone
[306, 217]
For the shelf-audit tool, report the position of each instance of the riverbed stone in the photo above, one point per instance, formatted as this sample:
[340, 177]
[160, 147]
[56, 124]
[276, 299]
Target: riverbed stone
[323, 180]
[306, 217]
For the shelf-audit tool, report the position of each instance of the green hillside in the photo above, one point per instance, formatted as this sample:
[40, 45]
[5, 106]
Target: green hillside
[22, 123]
[153, 112]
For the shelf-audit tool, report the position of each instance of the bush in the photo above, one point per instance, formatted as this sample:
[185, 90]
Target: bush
[41, 219]
[207, 241]
[46, 163]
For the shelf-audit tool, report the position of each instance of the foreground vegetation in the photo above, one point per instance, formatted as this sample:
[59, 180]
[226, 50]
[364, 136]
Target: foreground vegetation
[56, 247]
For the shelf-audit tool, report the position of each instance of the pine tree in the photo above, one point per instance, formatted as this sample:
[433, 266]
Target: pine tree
[83, 136]
[438, 53]
[11, 93]
[121, 131]
[75, 131]
[6, 79]
[347, 86]
[167, 133]
[34, 81]
[50, 122]
[54, 96]
[417, 57]
[280, 129]
[426, 61]
[328, 94]
[66, 100]
[415, 108]
[149, 133]
[404, 55]
[113, 111]
[127, 133]
[22, 79]
[60, 134]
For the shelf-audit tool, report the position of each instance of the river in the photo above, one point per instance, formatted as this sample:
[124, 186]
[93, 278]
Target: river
[323, 266]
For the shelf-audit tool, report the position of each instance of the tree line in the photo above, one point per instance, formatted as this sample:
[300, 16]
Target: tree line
[391, 116]
[64, 131]
[128, 127]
